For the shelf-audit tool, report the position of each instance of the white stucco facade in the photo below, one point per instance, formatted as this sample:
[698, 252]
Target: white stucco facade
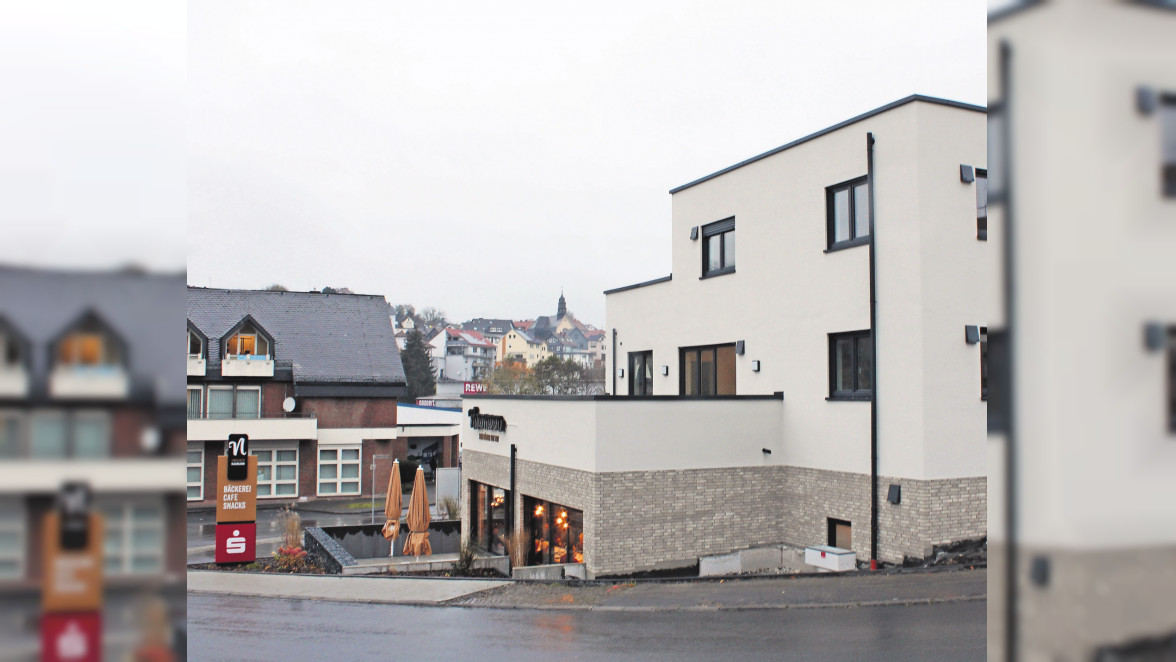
[788, 293]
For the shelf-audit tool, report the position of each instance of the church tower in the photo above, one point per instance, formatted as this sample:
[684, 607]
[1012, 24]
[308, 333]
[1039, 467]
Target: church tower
[563, 307]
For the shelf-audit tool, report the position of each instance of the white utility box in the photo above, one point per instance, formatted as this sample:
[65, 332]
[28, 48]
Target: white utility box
[833, 559]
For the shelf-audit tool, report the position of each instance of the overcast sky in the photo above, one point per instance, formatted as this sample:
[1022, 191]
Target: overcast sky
[470, 156]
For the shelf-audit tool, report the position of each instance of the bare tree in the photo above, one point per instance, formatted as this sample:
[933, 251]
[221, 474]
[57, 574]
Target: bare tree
[277, 287]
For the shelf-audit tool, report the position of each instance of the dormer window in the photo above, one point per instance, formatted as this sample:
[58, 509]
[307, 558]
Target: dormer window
[247, 342]
[89, 344]
[195, 345]
[12, 355]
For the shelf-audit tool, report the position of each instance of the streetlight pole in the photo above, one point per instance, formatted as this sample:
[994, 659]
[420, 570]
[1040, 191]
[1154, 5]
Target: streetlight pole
[374, 457]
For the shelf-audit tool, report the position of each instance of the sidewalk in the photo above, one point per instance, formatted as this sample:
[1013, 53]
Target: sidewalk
[852, 590]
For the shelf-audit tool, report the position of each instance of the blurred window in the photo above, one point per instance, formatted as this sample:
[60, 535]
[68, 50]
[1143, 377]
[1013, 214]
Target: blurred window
[1172, 379]
[195, 470]
[10, 434]
[134, 536]
[12, 538]
[338, 470]
[982, 205]
[1168, 131]
[48, 436]
[91, 435]
[10, 352]
[277, 470]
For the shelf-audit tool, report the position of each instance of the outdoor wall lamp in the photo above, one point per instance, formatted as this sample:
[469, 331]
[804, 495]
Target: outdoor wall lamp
[739, 347]
[767, 451]
[620, 372]
[694, 233]
[1146, 100]
[755, 365]
[972, 334]
[967, 175]
[1153, 337]
[665, 370]
[894, 494]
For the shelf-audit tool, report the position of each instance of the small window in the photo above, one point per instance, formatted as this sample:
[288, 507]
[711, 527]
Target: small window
[195, 471]
[1172, 379]
[718, 248]
[982, 205]
[641, 373]
[707, 371]
[851, 366]
[220, 402]
[848, 214]
[248, 402]
[195, 345]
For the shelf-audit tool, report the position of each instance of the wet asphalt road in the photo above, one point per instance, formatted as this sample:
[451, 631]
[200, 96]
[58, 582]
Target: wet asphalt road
[240, 628]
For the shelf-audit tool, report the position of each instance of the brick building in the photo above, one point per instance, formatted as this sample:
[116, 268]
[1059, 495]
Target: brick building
[311, 378]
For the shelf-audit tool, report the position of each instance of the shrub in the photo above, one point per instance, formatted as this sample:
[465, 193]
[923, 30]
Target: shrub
[290, 557]
[465, 559]
[452, 507]
[517, 546]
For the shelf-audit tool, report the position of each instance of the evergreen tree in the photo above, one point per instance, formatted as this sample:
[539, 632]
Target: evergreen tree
[418, 371]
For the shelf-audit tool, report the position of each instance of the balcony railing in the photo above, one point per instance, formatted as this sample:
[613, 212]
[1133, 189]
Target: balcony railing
[253, 416]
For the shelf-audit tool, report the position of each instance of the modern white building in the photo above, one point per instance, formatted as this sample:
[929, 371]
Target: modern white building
[1084, 110]
[747, 405]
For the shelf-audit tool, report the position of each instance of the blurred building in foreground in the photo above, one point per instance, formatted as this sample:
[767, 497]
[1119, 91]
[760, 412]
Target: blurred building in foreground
[92, 390]
[1083, 173]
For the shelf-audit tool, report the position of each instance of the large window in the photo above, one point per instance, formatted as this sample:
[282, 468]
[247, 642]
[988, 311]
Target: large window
[277, 472]
[488, 506]
[246, 343]
[718, 248]
[195, 476]
[640, 373]
[227, 402]
[707, 371]
[982, 205]
[338, 471]
[848, 214]
[556, 532]
[134, 536]
[851, 366]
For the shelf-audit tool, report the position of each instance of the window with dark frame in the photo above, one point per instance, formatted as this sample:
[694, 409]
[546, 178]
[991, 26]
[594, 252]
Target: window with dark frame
[1167, 112]
[851, 366]
[983, 363]
[718, 248]
[641, 373]
[840, 533]
[982, 205]
[707, 371]
[1172, 379]
[848, 209]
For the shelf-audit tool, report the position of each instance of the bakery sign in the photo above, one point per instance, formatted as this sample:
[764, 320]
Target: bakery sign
[488, 425]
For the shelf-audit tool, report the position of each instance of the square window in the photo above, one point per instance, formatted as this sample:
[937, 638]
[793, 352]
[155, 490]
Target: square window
[339, 471]
[848, 210]
[851, 366]
[718, 248]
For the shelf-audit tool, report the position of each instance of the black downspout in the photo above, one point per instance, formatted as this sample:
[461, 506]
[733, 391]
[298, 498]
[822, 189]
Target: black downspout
[874, 360]
[614, 370]
[1010, 309]
[511, 500]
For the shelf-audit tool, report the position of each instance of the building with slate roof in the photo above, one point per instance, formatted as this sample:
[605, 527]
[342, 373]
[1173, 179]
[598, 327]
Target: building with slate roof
[313, 380]
[90, 391]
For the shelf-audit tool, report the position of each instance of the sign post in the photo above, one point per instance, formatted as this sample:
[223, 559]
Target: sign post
[236, 504]
[71, 597]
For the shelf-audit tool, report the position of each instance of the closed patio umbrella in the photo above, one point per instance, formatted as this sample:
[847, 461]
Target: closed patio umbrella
[392, 507]
[418, 518]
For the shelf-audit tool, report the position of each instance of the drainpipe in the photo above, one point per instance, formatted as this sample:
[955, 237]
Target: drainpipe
[874, 358]
[614, 355]
[1010, 310]
[510, 502]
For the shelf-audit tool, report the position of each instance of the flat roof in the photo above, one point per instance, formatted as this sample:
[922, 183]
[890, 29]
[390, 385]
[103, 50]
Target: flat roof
[818, 134]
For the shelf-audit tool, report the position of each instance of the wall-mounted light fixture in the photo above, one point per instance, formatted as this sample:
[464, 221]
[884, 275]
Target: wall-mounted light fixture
[1039, 571]
[1153, 337]
[620, 372]
[767, 451]
[739, 347]
[694, 233]
[967, 175]
[665, 370]
[755, 365]
[894, 494]
[971, 334]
